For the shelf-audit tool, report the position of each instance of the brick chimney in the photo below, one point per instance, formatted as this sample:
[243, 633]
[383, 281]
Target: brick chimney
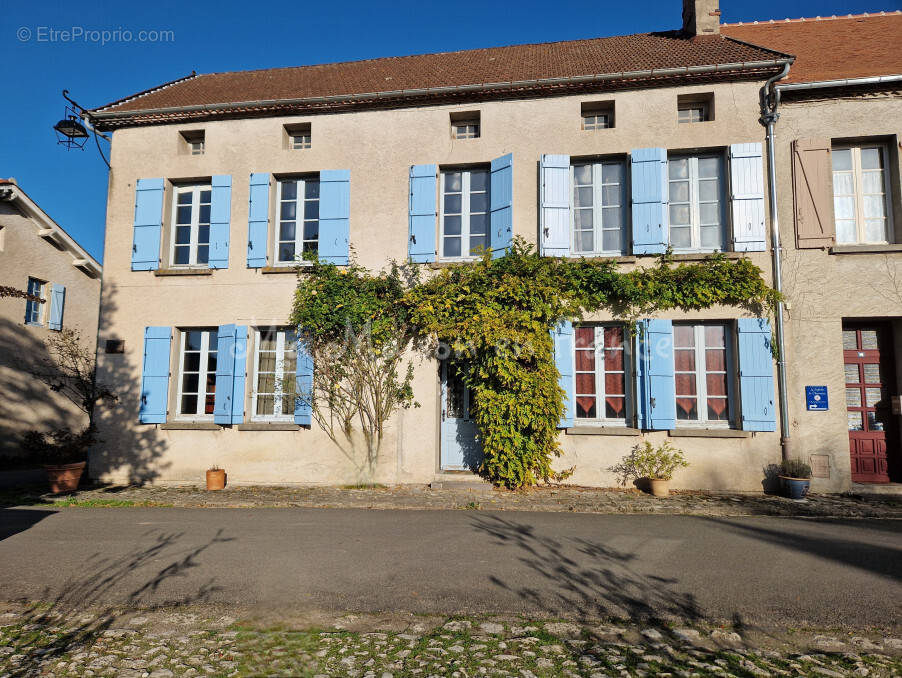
[701, 17]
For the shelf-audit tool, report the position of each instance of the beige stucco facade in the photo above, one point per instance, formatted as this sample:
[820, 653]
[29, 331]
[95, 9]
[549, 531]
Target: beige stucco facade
[33, 246]
[378, 147]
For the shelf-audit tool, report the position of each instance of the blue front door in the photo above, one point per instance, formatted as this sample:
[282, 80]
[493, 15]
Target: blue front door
[460, 446]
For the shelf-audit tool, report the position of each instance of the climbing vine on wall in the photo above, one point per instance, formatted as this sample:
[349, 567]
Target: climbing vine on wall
[495, 317]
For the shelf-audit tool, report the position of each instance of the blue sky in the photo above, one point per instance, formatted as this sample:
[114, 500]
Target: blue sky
[227, 35]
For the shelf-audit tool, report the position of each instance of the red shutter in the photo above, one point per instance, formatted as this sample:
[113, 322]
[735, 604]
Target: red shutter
[812, 176]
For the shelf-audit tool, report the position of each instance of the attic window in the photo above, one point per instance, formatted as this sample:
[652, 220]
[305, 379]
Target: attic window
[299, 137]
[597, 115]
[194, 142]
[465, 125]
[695, 108]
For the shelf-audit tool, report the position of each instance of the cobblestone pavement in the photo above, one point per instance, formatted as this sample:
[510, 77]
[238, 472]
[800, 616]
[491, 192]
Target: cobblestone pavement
[557, 498]
[41, 641]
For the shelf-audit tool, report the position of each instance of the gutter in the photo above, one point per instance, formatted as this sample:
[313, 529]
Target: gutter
[99, 116]
[846, 82]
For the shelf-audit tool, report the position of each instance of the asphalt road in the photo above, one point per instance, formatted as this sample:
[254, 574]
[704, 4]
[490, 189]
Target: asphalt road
[836, 573]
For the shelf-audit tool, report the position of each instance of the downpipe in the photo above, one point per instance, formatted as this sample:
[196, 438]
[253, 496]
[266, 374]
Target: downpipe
[770, 102]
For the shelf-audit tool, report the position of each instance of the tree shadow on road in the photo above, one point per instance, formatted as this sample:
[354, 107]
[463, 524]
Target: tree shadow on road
[72, 618]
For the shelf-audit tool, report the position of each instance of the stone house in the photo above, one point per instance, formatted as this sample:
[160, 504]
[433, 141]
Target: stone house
[610, 148]
[37, 256]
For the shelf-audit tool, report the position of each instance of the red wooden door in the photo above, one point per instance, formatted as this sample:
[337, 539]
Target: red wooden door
[867, 402]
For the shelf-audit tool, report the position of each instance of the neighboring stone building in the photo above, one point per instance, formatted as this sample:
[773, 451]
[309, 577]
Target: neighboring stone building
[614, 147]
[39, 257]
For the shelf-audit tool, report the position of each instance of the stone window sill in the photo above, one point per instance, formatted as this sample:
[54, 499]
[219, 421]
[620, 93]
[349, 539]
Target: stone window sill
[190, 426]
[602, 431]
[865, 249]
[708, 433]
[264, 426]
[701, 256]
[616, 258]
[160, 272]
[450, 264]
[280, 269]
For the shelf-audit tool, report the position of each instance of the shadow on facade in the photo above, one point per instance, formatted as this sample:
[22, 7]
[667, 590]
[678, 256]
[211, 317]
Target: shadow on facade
[82, 607]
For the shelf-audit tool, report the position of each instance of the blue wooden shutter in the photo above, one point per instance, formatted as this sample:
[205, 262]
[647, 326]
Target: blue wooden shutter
[231, 368]
[563, 360]
[334, 216]
[220, 220]
[756, 375]
[155, 375]
[57, 303]
[422, 214]
[148, 226]
[502, 199]
[649, 191]
[258, 220]
[554, 215]
[303, 403]
[657, 392]
[747, 193]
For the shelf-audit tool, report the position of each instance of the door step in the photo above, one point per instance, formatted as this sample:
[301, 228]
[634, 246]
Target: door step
[469, 485]
[884, 489]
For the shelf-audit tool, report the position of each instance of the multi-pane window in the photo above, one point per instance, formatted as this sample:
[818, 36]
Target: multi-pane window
[692, 111]
[194, 142]
[702, 358]
[298, 222]
[34, 309]
[274, 390]
[301, 140]
[465, 129]
[197, 373]
[860, 207]
[601, 373]
[191, 226]
[598, 120]
[696, 202]
[465, 213]
[599, 200]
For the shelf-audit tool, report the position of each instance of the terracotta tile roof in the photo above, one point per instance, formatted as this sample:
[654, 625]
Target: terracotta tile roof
[398, 76]
[831, 48]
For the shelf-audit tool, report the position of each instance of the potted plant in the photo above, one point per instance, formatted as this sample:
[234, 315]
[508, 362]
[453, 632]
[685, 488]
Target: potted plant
[216, 478]
[795, 478]
[63, 453]
[654, 464]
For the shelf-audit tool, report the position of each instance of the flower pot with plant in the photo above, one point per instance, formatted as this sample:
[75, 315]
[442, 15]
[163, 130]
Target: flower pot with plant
[654, 464]
[63, 453]
[216, 478]
[795, 478]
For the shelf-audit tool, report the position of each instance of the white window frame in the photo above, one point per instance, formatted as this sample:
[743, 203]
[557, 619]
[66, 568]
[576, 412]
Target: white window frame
[598, 208]
[858, 194]
[203, 370]
[701, 383]
[300, 200]
[465, 129]
[301, 141]
[689, 108]
[29, 304]
[596, 120]
[600, 387]
[695, 202]
[464, 212]
[197, 147]
[195, 190]
[279, 376]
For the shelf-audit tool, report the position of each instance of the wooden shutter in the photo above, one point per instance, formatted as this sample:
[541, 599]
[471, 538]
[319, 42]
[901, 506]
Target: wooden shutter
[563, 360]
[220, 220]
[421, 214]
[231, 370]
[57, 304]
[554, 214]
[155, 375]
[657, 390]
[747, 193]
[812, 183]
[334, 216]
[648, 167]
[502, 199]
[303, 403]
[258, 220]
[148, 227]
[756, 375]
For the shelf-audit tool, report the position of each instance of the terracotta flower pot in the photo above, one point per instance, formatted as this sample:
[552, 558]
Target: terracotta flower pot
[658, 487]
[216, 479]
[65, 477]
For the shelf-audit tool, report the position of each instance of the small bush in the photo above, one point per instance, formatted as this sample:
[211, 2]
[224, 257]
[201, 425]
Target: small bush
[647, 461]
[58, 447]
[795, 468]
